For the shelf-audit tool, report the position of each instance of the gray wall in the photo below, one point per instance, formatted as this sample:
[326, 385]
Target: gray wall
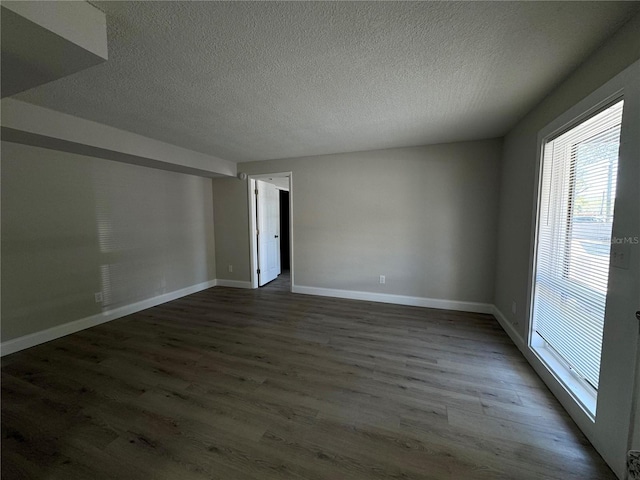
[75, 225]
[424, 217]
[519, 159]
[517, 213]
[231, 215]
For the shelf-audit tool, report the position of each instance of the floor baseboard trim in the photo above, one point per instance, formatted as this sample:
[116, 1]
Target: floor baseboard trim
[551, 380]
[37, 338]
[508, 327]
[233, 283]
[396, 299]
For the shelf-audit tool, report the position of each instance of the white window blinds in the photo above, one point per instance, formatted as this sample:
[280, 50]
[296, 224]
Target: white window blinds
[575, 218]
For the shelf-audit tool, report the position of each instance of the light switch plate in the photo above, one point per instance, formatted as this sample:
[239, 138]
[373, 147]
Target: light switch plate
[620, 253]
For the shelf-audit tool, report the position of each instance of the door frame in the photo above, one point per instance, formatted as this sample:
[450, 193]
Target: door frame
[253, 244]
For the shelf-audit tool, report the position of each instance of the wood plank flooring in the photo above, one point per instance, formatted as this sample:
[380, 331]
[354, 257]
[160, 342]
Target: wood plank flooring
[238, 384]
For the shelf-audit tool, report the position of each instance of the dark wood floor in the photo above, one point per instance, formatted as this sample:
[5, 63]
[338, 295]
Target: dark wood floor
[237, 384]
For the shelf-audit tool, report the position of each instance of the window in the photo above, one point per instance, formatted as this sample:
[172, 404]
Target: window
[575, 218]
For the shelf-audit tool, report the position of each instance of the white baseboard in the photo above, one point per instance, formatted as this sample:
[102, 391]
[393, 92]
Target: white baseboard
[553, 380]
[233, 283]
[396, 299]
[26, 341]
[508, 327]
[33, 339]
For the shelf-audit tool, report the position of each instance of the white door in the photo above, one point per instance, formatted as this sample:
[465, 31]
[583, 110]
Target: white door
[268, 213]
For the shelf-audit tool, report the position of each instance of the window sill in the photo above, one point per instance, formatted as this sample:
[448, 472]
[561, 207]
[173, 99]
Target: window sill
[584, 396]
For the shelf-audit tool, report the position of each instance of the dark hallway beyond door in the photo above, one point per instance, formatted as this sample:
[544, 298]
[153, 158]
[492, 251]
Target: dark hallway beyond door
[284, 230]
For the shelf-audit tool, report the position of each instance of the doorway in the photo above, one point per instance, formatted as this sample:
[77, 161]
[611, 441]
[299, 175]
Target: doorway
[270, 207]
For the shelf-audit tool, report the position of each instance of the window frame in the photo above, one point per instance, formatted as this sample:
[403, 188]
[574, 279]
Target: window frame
[578, 389]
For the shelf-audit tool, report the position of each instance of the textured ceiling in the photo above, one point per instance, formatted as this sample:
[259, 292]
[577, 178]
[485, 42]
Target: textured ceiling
[261, 80]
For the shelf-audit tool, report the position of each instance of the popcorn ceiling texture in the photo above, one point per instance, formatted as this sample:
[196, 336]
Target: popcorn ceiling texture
[262, 80]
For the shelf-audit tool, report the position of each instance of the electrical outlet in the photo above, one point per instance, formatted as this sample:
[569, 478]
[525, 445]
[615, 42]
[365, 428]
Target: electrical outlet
[98, 297]
[382, 279]
[230, 268]
[514, 307]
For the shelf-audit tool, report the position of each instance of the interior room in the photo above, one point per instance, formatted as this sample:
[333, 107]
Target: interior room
[320, 240]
